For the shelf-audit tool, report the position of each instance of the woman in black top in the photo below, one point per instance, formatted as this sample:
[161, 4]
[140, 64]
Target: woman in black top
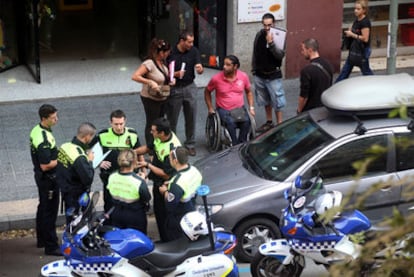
[361, 31]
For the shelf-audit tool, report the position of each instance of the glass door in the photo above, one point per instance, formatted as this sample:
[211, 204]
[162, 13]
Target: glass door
[165, 19]
[210, 24]
[30, 55]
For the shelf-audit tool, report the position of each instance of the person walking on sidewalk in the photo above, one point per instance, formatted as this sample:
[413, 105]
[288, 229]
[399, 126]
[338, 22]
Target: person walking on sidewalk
[116, 138]
[44, 154]
[315, 77]
[160, 167]
[75, 171]
[266, 63]
[186, 58]
[180, 191]
[361, 32]
[129, 193]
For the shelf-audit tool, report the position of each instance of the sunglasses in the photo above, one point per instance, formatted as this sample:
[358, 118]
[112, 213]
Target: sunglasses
[161, 44]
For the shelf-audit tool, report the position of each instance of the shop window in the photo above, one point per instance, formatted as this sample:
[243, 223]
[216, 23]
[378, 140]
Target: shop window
[8, 35]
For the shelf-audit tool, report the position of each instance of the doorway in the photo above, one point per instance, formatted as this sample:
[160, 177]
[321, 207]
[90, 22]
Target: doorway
[104, 29]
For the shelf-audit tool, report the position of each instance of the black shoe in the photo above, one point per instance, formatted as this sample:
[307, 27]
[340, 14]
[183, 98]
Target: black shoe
[55, 252]
[191, 151]
[265, 127]
[40, 244]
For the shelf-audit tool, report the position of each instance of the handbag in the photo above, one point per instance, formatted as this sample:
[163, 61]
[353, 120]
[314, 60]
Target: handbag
[164, 90]
[356, 53]
[238, 114]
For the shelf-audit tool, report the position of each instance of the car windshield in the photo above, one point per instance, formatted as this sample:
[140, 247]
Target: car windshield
[276, 154]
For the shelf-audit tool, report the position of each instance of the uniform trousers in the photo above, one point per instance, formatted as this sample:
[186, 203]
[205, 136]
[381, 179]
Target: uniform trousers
[47, 210]
[160, 211]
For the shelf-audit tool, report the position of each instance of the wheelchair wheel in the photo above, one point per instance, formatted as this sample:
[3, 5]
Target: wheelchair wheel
[213, 132]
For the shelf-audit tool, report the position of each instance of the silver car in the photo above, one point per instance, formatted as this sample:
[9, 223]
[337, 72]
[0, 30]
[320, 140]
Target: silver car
[247, 181]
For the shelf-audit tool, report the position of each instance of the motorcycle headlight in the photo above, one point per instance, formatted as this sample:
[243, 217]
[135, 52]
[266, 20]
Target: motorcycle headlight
[212, 209]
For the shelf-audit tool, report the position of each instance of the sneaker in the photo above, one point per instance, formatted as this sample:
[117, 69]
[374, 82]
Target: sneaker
[265, 127]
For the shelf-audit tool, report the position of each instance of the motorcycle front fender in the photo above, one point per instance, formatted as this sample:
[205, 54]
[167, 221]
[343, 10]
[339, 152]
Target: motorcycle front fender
[56, 268]
[278, 249]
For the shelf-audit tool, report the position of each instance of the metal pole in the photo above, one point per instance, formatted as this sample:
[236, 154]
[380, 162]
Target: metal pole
[392, 38]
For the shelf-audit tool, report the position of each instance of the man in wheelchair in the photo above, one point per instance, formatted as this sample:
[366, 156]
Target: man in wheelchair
[229, 86]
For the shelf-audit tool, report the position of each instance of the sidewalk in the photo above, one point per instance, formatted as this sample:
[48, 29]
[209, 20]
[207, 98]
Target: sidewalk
[86, 98]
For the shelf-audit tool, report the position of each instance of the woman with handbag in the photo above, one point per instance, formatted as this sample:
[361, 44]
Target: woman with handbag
[360, 36]
[154, 75]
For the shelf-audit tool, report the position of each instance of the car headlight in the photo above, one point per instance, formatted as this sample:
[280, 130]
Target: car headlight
[212, 209]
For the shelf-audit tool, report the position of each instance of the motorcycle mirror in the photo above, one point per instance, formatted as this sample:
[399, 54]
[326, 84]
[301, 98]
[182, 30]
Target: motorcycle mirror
[287, 194]
[84, 199]
[298, 182]
[203, 190]
[308, 220]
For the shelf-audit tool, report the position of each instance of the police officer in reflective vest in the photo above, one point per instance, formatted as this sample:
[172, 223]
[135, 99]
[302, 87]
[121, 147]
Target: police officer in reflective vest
[180, 192]
[129, 192]
[75, 171]
[44, 157]
[160, 167]
[115, 139]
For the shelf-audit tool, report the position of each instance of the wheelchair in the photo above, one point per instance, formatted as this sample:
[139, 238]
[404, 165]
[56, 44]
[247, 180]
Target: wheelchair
[217, 135]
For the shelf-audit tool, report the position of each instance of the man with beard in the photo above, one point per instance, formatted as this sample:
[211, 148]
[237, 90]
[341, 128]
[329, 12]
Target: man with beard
[230, 84]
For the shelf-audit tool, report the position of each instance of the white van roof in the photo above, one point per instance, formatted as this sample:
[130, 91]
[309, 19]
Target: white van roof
[375, 94]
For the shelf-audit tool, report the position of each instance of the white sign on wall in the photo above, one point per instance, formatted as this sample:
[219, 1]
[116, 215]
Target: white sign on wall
[253, 10]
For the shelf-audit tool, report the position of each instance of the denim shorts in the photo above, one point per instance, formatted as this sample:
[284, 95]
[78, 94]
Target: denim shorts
[269, 92]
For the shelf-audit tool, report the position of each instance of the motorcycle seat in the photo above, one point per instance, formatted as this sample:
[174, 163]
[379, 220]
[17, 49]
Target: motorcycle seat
[171, 254]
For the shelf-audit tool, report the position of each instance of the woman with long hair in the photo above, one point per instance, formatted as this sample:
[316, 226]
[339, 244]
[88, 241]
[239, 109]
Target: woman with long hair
[360, 31]
[153, 74]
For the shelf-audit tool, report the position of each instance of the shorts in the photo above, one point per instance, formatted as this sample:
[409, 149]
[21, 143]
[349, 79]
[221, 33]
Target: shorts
[269, 92]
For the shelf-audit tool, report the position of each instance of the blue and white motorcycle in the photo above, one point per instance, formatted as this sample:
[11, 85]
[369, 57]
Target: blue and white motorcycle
[306, 235]
[90, 249]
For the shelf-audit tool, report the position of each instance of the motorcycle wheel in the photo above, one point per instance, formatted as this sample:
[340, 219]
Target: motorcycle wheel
[266, 266]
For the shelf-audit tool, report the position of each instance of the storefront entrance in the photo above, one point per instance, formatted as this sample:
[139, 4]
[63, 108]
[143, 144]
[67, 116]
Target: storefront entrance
[59, 30]
[205, 18]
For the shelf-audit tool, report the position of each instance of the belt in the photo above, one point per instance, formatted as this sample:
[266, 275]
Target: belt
[270, 72]
[181, 85]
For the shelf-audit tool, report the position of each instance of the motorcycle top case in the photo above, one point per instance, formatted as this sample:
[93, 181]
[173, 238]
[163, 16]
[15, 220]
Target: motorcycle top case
[129, 243]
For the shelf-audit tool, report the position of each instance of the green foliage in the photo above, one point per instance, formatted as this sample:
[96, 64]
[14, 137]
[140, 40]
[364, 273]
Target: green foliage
[392, 258]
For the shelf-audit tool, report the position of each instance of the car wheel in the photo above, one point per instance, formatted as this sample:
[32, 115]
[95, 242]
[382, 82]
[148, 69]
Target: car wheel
[251, 234]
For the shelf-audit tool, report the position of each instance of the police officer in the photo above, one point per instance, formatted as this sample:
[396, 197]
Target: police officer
[75, 171]
[160, 167]
[179, 193]
[44, 157]
[129, 192]
[115, 139]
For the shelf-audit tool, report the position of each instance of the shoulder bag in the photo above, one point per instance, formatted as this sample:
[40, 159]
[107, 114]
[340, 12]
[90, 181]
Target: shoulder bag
[356, 53]
[165, 89]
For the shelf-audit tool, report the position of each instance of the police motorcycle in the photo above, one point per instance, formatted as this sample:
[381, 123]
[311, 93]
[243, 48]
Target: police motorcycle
[306, 235]
[89, 249]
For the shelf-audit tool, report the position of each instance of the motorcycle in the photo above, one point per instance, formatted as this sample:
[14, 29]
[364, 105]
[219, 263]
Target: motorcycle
[306, 235]
[93, 249]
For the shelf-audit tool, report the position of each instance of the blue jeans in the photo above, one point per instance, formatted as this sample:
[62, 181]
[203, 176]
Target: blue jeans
[347, 68]
[231, 126]
[269, 92]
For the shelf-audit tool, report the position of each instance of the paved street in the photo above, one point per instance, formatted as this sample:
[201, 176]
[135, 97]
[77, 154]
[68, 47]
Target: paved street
[18, 199]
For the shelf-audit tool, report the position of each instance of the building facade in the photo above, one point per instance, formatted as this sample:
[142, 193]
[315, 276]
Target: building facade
[57, 29]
